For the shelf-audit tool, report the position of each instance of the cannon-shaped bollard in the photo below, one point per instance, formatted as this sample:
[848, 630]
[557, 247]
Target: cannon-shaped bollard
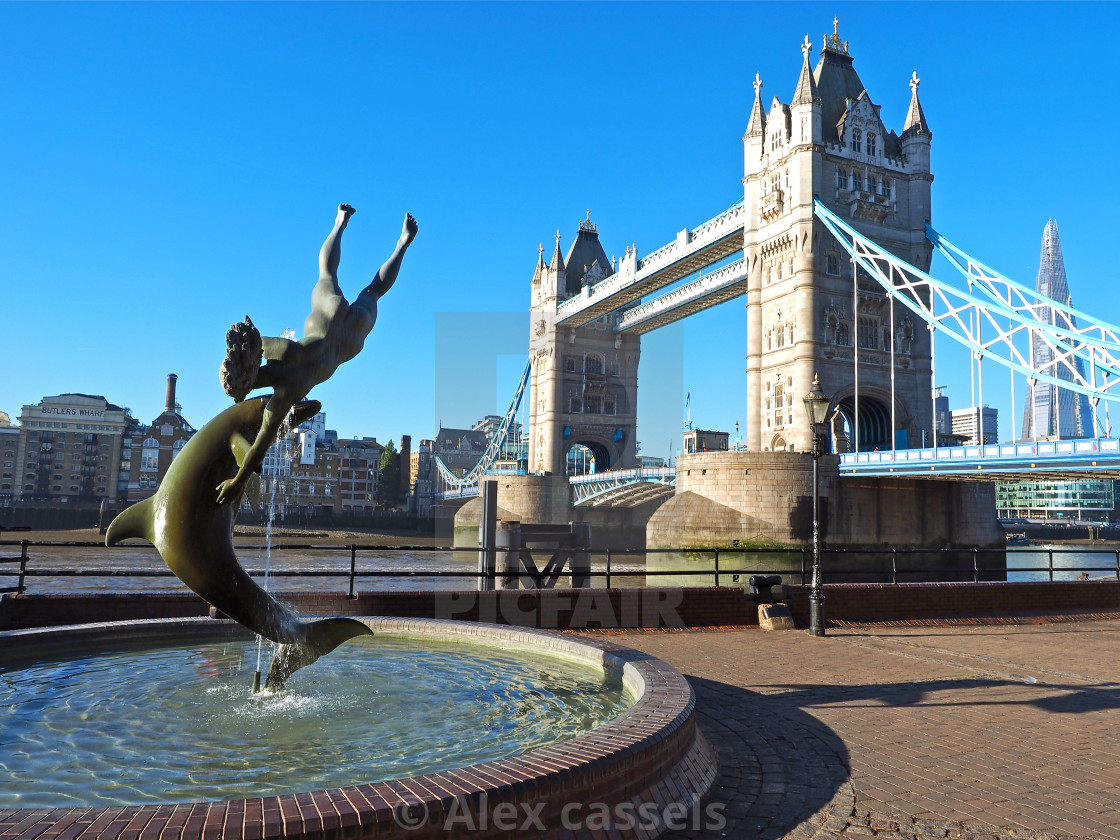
[772, 615]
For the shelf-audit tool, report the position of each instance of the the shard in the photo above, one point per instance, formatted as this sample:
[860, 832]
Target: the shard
[1051, 411]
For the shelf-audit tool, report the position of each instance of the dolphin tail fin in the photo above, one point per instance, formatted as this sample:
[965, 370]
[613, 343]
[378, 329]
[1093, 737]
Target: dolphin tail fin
[322, 637]
[134, 521]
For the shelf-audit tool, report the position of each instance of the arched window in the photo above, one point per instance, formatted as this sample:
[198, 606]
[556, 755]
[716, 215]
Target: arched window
[841, 179]
[870, 143]
[789, 332]
[781, 336]
[593, 363]
[856, 139]
[843, 338]
[176, 447]
[857, 181]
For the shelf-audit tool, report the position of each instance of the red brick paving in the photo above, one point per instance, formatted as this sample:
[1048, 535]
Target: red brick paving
[990, 731]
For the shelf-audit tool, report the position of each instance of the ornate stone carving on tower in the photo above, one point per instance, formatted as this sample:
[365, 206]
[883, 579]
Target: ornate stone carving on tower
[584, 381]
[803, 315]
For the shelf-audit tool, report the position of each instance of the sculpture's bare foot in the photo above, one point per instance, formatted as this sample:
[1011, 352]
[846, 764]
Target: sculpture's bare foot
[345, 211]
[408, 232]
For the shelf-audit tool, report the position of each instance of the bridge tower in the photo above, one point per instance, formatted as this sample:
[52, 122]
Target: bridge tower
[584, 383]
[803, 314]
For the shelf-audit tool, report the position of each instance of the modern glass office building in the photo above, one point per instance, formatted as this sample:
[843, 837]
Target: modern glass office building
[1087, 501]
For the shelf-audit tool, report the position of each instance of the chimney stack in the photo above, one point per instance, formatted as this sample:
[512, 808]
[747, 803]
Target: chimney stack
[169, 403]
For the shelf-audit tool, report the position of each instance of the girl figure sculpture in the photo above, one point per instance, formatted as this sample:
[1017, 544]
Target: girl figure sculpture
[333, 333]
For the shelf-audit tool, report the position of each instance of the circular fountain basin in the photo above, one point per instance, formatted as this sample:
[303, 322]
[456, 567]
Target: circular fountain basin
[576, 730]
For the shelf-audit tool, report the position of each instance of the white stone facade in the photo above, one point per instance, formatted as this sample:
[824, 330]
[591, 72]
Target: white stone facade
[803, 316]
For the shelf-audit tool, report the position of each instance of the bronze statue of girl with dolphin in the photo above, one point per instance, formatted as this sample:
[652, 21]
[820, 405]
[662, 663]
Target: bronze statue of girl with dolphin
[190, 518]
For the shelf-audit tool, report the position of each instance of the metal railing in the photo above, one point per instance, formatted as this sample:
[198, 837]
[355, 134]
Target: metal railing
[715, 566]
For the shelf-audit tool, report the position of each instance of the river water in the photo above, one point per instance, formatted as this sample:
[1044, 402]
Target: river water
[1069, 562]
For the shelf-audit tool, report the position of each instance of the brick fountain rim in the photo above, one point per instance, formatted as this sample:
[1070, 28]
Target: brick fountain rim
[651, 755]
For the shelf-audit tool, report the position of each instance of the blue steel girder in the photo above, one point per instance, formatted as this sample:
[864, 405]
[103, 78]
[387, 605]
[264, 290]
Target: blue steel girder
[725, 283]
[691, 251]
[453, 486]
[622, 488]
[1092, 342]
[965, 317]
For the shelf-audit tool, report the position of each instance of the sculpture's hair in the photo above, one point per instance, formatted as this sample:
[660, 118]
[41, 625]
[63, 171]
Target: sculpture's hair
[238, 372]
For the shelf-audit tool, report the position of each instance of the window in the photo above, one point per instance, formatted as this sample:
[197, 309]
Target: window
[570, 364]
[869, 333]
[176, 447]
[841, 179]
[575, 405]
[779, 271]
[855, 139]
[842, 336]
[781, 336]
[789, 332]
[857, 181]
[870, 143]
[593, 363]
[871, 183]
[832, 264]
[608, 406]
[885, 187]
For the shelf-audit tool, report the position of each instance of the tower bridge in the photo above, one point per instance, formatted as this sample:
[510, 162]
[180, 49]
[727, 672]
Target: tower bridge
[831, 247]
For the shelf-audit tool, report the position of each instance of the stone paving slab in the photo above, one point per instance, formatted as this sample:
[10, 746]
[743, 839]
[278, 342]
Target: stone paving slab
[970, 733]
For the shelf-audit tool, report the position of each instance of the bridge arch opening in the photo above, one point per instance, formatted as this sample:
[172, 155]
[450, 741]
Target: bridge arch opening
[586, 457]
[874, 423]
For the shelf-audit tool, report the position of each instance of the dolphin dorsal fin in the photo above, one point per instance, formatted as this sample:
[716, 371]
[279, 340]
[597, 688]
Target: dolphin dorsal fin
[135, 521]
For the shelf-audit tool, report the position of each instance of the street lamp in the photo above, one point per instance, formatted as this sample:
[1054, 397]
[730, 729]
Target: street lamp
[816, 407]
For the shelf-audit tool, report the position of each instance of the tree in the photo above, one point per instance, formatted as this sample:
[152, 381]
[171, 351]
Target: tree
[389, 480]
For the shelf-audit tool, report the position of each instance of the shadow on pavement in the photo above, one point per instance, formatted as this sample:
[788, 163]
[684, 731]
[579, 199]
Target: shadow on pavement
[779, 766]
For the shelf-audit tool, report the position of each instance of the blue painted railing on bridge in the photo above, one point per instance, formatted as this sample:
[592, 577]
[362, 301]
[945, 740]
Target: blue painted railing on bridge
[637, 474]
[1087, 455]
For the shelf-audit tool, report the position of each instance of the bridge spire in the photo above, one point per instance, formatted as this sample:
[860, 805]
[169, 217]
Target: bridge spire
[806, 85]
[756, 126]
[915, 117]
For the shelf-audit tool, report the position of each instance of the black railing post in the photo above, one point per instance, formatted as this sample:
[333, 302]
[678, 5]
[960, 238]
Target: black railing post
[353, 567]
[975, 565]
[894, 566]
[1050, 563]
[609, 568]
[20, 587]
[717, 567]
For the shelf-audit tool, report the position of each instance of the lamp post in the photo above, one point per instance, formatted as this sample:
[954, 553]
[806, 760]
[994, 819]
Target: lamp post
[816, 407]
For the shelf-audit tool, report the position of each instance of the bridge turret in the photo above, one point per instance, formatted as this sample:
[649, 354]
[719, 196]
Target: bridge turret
[754, 139]
[915, 143]
[806, 106]
[553, 277]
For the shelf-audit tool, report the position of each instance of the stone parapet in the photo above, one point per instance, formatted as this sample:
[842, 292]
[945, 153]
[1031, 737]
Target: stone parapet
[766, 498]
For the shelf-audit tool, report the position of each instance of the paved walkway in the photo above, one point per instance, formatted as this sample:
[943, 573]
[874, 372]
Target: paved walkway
[908, 732]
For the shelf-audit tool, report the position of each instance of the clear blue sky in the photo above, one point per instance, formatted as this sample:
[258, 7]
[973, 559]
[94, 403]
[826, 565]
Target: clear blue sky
[170, 168]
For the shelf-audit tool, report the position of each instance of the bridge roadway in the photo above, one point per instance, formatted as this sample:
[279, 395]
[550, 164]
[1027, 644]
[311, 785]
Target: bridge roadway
[692, 251]
[1050, 460]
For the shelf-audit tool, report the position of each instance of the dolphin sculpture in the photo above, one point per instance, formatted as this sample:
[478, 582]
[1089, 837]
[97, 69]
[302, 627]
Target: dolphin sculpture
[194, 536]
